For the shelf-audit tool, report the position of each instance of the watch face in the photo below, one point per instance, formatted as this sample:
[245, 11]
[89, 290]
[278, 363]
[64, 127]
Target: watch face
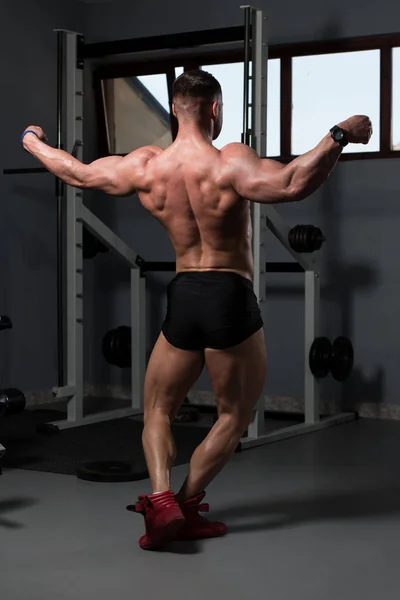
[339, 135]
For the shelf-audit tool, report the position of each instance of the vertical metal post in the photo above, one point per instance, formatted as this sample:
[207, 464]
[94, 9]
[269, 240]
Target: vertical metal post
[138, 343]
[59, 196]
[74, 133]
[246, 66]
[255, 30]
[311, 385]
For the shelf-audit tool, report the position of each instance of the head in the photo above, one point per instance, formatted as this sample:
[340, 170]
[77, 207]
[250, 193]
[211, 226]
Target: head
[197, 98]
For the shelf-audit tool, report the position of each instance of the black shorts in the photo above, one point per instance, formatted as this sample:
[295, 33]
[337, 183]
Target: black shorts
[210, 309]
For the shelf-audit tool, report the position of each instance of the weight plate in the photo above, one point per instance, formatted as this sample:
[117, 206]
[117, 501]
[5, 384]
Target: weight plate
[342, 358]
[108, 346]
[111, 471]
[122, 349]
[319, 358]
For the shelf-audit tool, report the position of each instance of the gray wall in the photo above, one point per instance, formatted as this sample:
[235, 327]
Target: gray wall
[28, 356]
[357, 208]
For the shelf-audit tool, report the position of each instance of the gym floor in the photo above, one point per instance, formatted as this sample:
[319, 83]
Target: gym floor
[315, 518]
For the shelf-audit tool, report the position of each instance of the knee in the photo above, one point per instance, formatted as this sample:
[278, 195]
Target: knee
[157, 415]
[237, 423]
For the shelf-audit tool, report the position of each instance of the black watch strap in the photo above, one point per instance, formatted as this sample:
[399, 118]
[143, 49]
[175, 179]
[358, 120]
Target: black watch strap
[339, 135]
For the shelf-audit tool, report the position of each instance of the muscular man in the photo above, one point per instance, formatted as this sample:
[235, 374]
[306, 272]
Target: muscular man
[201, 195]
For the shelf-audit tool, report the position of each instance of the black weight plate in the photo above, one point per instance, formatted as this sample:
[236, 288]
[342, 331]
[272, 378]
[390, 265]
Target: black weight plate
[342, 358]
[320, 356]
[108, 346]
[111, 471]
[122, 348]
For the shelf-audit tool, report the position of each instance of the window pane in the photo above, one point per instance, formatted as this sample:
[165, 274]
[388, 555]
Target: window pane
[396, 100]
[330, 88]
[157, 86]
[178, 71]
[231, 77]
[137, 112]
[274, 108]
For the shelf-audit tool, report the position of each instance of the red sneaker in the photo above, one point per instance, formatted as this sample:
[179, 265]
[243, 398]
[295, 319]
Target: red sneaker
[162, 516]
[197, 527]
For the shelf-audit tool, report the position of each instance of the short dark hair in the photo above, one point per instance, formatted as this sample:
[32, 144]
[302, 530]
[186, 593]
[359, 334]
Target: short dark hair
[196, 84]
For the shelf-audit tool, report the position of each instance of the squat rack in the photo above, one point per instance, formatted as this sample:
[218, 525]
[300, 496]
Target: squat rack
[72, 52]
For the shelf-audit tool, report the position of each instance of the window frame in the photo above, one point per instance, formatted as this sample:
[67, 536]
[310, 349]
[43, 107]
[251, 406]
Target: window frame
[284, 52]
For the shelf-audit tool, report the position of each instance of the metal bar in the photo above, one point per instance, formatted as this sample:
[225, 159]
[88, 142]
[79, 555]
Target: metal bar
[138, 332]
[74, 131]
[286, 107]
[295, 430]
[108, 237]
[246, 74]
[311, 331]
[254, 30]
[283, 267]
[259, 82]
[59, 195]
[100, 417]
[147, 266]
[386, 100]
[68, 391]
[29, 171]
[164, 42]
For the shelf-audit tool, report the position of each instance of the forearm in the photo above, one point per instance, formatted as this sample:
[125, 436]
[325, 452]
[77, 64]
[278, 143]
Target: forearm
[306, 173]
[60, 163]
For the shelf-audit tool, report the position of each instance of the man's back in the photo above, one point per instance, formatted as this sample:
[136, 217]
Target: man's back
[187, 188]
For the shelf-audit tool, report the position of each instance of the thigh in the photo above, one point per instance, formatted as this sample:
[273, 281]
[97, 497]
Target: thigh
[238, 374]
[170, 374]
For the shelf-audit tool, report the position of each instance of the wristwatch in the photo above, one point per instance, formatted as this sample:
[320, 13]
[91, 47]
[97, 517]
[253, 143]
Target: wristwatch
[339, 135]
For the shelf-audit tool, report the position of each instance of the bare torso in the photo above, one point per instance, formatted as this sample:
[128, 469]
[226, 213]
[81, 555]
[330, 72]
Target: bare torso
[187, 188]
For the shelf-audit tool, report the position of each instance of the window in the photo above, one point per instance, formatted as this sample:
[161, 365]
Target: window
[231, 78]
[311, 86]
[396, 100]
[330, 88]
[137, 113]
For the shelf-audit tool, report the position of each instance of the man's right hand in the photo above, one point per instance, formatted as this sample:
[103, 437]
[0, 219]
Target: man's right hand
[358, 129]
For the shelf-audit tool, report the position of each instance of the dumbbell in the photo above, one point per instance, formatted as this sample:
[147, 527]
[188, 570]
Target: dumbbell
[306, 238]
[336, 358]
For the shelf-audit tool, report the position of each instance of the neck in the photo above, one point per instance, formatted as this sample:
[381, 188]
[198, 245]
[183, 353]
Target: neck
[195, 131]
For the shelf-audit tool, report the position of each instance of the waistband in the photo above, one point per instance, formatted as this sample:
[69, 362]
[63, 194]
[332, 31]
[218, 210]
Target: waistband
[206, 276]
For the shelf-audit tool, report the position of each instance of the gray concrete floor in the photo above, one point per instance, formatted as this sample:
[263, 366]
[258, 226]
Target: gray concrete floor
[311, 518]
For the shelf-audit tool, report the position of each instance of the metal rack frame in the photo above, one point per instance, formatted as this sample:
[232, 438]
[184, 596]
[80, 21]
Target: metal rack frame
[71, 54]
[78, 215]
[265, 217]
